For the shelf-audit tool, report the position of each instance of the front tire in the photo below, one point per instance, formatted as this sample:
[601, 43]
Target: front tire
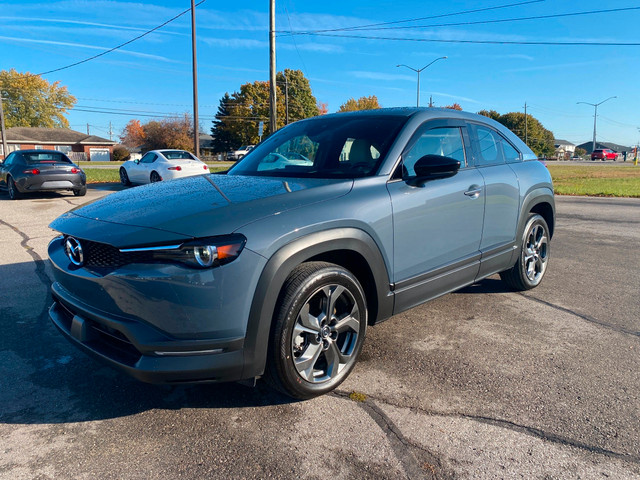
[318, 332]
[531, 266]
[12, 189]
[124, 177]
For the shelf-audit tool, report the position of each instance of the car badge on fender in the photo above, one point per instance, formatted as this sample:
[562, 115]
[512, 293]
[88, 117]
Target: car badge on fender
[74, 251]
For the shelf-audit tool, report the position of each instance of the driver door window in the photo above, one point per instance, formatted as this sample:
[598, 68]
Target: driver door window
[444, 142]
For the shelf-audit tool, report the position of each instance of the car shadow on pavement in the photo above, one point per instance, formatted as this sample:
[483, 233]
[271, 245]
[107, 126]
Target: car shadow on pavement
[488, 285]
[46, 380]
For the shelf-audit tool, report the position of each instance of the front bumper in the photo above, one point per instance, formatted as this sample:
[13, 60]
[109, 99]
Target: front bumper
[143, 352]
[159, 323]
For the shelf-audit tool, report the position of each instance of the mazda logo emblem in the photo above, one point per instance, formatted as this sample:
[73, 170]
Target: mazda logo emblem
[74, 251]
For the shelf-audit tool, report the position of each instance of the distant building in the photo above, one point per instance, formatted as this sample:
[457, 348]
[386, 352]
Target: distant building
[76, 145]
[599, 145]
[564, 149]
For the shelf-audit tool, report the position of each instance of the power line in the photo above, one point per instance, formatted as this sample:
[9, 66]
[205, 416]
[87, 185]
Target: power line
[464, 12]
[479, 22]
[122, 44]
[484, 42]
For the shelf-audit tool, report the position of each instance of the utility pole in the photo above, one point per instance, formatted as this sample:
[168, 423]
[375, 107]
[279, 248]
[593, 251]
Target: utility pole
[5, 148]
[88, 129]
[110, 131]
[595, 116]
[526, 124]
[196, 119]
[286, 97]
[272, 66]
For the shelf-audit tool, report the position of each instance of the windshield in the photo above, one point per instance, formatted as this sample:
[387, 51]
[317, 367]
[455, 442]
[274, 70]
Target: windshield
[346, 146]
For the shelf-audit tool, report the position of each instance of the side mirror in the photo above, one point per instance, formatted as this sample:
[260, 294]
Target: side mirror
[137, 161]
[431, 167]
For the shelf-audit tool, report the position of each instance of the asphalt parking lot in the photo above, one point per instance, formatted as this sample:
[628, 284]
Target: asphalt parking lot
[482, 383]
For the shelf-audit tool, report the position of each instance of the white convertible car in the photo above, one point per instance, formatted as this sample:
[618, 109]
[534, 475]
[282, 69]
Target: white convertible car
[158, 165]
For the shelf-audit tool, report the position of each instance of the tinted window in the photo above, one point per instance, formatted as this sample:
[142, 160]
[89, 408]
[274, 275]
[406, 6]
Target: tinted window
[10, 159]
[511, 155]
[44, 157]
[444, 142]
[149, 158]
[487, 144]
[342, 146]
[177, 155]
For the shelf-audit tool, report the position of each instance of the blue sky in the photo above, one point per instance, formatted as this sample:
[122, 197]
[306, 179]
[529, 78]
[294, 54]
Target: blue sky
[152, 76]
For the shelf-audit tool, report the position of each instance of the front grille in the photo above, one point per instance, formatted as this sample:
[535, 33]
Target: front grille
[103, 255]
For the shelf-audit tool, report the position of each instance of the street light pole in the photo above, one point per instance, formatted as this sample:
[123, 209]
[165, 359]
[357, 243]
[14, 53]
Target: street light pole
[5, 148]
[196, 119]
[595, 116]
[418, 70]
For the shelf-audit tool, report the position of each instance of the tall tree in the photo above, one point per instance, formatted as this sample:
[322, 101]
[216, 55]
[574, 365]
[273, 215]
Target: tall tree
[539, 139]
[174, 132]
[490, 113]
[363, 103]
[454, 106]
[133, 134]
[31, 101]
[239, 114]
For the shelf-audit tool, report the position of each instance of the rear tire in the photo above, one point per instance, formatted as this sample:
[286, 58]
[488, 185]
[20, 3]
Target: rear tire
[80, 192]
[14, 193]
[124, 177]
[155, 177]
[531, 266]
[318, 331]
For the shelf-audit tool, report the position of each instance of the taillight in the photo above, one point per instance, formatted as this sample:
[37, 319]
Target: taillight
[32, 171]
[75, 170]
[178, 168]
[205, 167]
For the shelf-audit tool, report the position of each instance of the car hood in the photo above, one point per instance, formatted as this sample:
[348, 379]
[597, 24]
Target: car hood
[193, 207]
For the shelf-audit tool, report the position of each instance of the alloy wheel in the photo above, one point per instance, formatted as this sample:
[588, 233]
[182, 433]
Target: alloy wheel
[325, 334]
[535, 253]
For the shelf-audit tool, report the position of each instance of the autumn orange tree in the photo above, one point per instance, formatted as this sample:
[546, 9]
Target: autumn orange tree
[175, 132]
[363, 103]
[31, 101]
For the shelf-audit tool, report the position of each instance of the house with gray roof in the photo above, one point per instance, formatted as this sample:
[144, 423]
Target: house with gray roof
[76, 145]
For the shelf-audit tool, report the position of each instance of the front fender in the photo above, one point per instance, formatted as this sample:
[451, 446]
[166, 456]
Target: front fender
[280, 266]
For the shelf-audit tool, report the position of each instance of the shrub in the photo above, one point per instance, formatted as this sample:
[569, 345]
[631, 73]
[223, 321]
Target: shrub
[121, 154]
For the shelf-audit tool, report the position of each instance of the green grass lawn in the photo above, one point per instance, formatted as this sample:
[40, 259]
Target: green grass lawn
[596, 180]
[106, 175]
[592, 180]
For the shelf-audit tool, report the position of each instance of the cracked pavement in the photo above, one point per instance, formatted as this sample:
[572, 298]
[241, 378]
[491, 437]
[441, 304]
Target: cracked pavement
[482, 383]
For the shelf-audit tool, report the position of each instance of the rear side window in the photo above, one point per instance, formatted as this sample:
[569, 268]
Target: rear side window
[511, 155]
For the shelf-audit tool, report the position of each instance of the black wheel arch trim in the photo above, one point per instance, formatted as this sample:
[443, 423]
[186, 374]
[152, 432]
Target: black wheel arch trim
[537, 200]
[282, 263]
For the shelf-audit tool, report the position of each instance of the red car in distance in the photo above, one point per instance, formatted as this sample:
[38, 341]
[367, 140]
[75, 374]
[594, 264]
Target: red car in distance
[603, 154]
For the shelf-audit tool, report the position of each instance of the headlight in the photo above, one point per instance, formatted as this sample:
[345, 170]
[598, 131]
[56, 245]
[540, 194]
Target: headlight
[201, 253]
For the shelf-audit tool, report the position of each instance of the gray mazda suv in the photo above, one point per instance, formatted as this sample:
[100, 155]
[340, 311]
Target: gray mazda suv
[277, 268]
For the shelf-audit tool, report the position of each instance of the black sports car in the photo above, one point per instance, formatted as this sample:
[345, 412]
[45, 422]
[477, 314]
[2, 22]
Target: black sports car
[26, 171]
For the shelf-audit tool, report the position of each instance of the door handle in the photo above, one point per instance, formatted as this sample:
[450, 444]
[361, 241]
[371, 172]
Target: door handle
[474, 191]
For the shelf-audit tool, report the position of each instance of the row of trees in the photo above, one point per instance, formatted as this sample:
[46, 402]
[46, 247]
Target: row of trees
[528, 128]
[31, 101]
